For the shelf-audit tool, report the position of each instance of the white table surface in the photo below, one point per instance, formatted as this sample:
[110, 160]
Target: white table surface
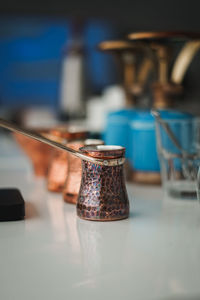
[52, 254]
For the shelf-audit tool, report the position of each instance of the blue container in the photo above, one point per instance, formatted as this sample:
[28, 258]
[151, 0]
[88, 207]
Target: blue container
[142, 138]
[117, 128]
[142, 143]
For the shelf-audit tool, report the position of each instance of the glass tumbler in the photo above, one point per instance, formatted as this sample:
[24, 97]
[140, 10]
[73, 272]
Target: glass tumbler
[198, 185]
[179, 159]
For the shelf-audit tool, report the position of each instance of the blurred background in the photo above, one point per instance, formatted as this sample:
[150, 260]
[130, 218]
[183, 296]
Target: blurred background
[57, 66]
[87, 63]
[32, 50]
[36, 37]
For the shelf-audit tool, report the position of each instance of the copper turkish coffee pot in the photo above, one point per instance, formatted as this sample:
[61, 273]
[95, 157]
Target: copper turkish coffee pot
[40, 154]
[58, 167]
[102, 195]
[73, 176]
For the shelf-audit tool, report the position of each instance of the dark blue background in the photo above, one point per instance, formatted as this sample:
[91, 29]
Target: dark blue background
[31, 52]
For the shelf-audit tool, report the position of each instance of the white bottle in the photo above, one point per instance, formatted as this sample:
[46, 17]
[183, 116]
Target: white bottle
[72, 82]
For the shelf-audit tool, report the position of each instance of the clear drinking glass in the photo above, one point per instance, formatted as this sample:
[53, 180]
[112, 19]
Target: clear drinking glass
[198, 185]
[179, 165]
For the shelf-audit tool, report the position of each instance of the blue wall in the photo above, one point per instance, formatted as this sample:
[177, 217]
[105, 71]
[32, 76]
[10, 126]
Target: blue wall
[31, 52]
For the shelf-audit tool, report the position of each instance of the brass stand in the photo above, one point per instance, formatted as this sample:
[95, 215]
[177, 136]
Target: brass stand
[168, 86]
[134, 74]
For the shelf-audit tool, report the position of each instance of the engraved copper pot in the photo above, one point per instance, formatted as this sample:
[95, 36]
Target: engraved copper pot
[58, 168]
[38, 153]
[73, 181]
[103, 195]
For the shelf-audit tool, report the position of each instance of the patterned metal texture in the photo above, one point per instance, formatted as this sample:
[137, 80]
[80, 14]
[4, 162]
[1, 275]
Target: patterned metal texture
[103, 195]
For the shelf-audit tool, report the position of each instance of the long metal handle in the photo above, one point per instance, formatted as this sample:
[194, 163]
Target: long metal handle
[40, 138]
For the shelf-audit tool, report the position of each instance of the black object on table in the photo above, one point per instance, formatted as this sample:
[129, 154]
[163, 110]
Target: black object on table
[12, 205]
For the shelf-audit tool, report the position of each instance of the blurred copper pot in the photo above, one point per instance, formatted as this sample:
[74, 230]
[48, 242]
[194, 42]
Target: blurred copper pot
[58, 168]
[73, 180]
[38, 152]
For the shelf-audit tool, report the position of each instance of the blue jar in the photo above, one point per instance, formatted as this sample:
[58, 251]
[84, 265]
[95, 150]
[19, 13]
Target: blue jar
[142, 143]
[118, 127]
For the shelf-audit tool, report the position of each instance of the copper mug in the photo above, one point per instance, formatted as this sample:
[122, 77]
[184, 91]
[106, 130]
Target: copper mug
[73, 180]
[102, 195]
